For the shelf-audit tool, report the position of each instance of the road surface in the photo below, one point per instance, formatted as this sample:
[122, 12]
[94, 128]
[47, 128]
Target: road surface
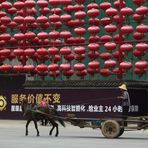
[12, 135]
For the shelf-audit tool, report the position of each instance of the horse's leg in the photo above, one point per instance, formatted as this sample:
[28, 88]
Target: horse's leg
[36, 127]
[54, 124]
[27, 124]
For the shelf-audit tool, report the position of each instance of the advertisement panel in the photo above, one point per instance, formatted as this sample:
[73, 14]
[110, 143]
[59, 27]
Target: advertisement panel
[82, 103]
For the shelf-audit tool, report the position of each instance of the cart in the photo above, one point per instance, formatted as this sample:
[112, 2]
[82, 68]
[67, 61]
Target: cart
[110, 127]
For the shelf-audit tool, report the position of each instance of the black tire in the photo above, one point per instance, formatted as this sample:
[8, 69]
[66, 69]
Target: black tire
[121, 132]
[110, 129]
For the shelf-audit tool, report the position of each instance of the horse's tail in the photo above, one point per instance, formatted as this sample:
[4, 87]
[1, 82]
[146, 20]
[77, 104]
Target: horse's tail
[61, 121]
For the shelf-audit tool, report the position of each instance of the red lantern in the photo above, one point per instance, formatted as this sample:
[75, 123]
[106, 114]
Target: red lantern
[18, 68]
[126, 47]
[42, 19]
[42, 51]
[106, 21]
[126, 11]
[79, 50]
[93, 30]
[92, 5]
[142, 46]
[68, 73]
[118, 38]
[94, 39]
[65, 18]
[12, 24]
[79, 66]
[105, 56]
[53, 50]
[42, 67]
[105, 72]
[110, 46]
[30, 35]
[138, 17]
[94, 21]
[11, 56]
[141, 64]
[18, 19]
[80, 15]
[29, 19]
[80, 31]
[142, 28]
[117, 4]
[110, 63]
[81, 73]
[93, 12]
[138, 53]
[54, 18]
[42, 35]
[29, 68]
[105, 5]
[92, 71]
[93, 55]
[125, 65]
[94, 65]
[93, 47]
[142, 10]
[44, 11]
[42, 3]
[5, 52]
[80, 1]
[65, 34]
[118, 54]
[19, 5]
[65, 51]
[138, 35]
[139, 72]
[127, 29]
[30, 3]
[105, 38]
[5, 20]
[69, 8]
[5, 37]
[6, 5]
[78, 7]
[65, 67]
[54, 34]
[29, 52]
[110, 28]
[60, 2]
[57, 11]
[139, 2]
[18, 52]
[19, 36]
[5, 67]
[53, 67]
[111, 12]
[69, 57]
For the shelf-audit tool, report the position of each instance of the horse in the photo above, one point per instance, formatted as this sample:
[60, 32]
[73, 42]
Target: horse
[37, 113]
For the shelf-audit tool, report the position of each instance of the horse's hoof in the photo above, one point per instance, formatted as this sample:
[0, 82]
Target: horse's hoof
[37, 135]
[56, 135]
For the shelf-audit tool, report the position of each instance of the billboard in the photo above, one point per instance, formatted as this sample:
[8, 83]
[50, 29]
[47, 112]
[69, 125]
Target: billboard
[82, 103]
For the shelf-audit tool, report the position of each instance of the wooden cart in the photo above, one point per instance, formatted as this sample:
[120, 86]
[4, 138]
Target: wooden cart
[111, 127]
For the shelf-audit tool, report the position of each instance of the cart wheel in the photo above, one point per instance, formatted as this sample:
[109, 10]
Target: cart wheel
[110, 129]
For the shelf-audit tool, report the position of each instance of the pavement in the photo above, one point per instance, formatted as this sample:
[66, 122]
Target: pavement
[12, 135]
